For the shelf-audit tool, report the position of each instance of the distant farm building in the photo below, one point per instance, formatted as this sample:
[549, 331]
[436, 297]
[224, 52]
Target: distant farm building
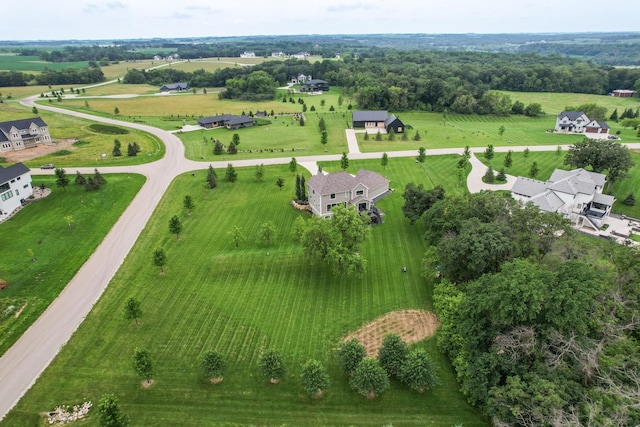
[377, 121]
[623, 93]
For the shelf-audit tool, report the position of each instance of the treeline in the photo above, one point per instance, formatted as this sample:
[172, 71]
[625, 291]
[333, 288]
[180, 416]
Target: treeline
[619, 53]
[51, 77]
[87, 53]
[541, 328]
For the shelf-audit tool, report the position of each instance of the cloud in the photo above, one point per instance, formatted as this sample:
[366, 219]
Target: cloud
[116, 5]
[178, 15]
[203, 9]
[348, 7]
[101, 7]
[91, 8]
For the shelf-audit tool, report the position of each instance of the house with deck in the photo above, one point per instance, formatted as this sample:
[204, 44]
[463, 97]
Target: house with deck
[576, 194]
[577, 122]
[361, 190]
[15, 187]
[228, 121]
[17, 135]
[373, 121]
[315, 85]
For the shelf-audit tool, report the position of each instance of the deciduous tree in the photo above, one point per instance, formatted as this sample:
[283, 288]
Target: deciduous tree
[213, 365]
[393, 354]
[267, 230]
[62, 180]
[188, 203]
[369, 379]
[418, 371]
[159, 259]
[142, 363]
[132, 310]
[603, 156]
[237, 236]
[259, 172]
[314, 378]
[417, 200]
[350, 354]
[175, 226]
[422, 155]
[109, 413]
[272, 366]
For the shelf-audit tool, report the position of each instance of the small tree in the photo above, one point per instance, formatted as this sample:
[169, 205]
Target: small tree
[322, 102]
[419, 372]
[422, 156]
[34, 110]
[230, 175]
[391, 136]
[91, 184]
[69, 220]
[260, 172]
[366, 136]
[116, 152]
[236, 235]
[324, 138]
[392, 354]
[131, 150]
[558, 151]
[231, 149]
[142, 364]
[213, 366]
[489, 177]
[272, 366]
[280, 183]
[416, 137]
[267, 230]
[293, 165]
[314, 378]
[614, 116]
[80, 179]
[236, 139]
[218, 148]
[175, 226]
[344, 161]
[501, 176]
[188, 203]
[489, 152]
[501, 130]
[350, 354]
[378, 136]
[630, 200]
[62, 180]
[384, 161]
[212, 178]
[466, 153]
[508, 159]
[116, 111]
[109, 414]
[159, 259]
[369, 378]
[132, 310]
[534, 169]
[526, 153]
[97, 176]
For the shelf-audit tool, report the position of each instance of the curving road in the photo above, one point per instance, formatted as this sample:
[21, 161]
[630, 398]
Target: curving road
[21, 365]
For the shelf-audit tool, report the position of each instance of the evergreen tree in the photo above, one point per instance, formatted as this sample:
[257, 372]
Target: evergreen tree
[236, 139]
[489, 177]
[384, 161]
[80, 179]
[405, 137]
[324, 138]
[231, 149]
[614, 116]
[175, 226]
[422, 155]
[416, 137]
[259, 172]
[366, 136]
[525, 153]
[344, 161]
[534, 169]
[501, 176]
[230, 174]
[378, 136]
[391, 136]
[489, 152]
[91, 184]
[508, 159]
[131, 150]
[188, 203]
[159, 259]
[630, 200]
[116, 152]
[62, 180]
[212, 178]
[293, 165]
[218, 148]
[97, 176]
[280, 183]
[303, 189]
[298, 193]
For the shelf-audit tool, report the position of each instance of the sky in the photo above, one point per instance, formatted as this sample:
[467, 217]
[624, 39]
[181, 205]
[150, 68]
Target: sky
[126, 19]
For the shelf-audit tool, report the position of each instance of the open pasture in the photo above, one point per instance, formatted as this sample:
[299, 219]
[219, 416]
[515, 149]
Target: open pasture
[242, 300]
[555, 103]
[41, 253]
[33, 64]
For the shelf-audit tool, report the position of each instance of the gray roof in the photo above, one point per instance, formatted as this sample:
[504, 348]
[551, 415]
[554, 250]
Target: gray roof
[571, 115]
[548, 201]
[339, 182]
[579, 175]
[174, 86]
[390, 120]
[11, 172]
[336, 182]
[214, 119]
[370, 116]
[528, 187]
[604, 199]
[236, 120]
[5, 127]
[370, 179]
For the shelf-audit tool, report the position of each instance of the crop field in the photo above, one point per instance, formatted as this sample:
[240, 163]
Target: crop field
[40, 232]
[459, 130]
[242, 300]
[33, 64]
[555, 103]
[89, 144]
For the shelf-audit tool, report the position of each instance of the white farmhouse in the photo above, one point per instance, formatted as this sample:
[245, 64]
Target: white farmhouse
[15, 187]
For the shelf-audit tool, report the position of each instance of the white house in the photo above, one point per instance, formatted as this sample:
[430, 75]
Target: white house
[577, 194]
[577, 122]
[15, 186]
[26, 133]
[361, 190]
[248, 54]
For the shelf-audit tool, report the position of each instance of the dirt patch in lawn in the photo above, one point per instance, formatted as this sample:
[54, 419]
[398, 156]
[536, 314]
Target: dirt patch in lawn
[39, 151]
[410, 325]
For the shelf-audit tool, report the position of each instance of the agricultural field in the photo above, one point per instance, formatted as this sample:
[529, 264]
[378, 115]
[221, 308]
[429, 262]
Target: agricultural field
[34, 65]
[550, 160]
[78, 143]
[242, 300]
[459, 130]
[41, 253]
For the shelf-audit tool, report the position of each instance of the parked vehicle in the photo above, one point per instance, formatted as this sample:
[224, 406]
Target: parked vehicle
[47, 166]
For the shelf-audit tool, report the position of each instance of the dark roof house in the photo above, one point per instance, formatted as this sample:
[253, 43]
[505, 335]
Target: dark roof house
[225, 120]
[175, 87]
[315, 85]
[377, 119]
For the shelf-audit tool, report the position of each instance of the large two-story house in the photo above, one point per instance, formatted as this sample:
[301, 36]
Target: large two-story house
[26, 133]
[577, 194]
[362, 190]
[577, 122]
[15, 186]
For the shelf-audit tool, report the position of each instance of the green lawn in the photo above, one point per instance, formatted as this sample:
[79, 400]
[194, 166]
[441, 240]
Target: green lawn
[460, 130]
[35, 64]
[242, 300]
[41, 227]
[89, 151]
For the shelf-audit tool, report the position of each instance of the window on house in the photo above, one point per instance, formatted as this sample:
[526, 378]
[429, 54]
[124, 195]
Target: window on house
[6, 196]
[359, 192]
[4, 187]
[333, 196]
[25, 186]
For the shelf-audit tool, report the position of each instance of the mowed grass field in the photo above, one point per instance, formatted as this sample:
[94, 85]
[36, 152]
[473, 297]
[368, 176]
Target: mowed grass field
[243, 300]
[555, 103]
[87, 152]
[550, 160]
[41, 227]
[460, 130]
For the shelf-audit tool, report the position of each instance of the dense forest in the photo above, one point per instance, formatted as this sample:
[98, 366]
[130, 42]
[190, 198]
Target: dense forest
[430, 81]
[540, 324]
[92, 74]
